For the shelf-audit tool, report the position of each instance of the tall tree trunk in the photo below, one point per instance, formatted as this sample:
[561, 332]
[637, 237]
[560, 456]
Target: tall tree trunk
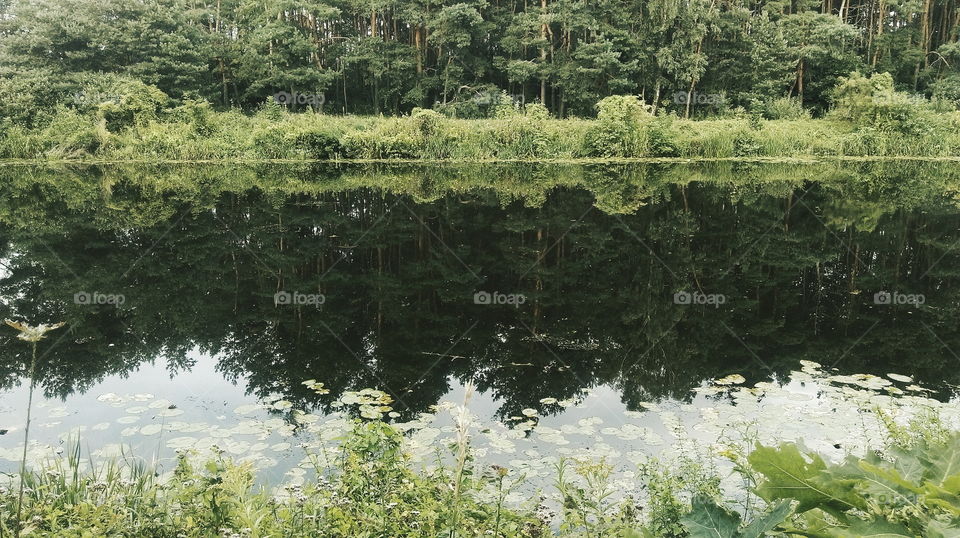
[543, 52]
[925, 33]
[880, 23]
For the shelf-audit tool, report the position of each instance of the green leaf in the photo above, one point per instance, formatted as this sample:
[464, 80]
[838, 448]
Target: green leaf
[709, 520]
[877, 528]
[768, 521]
[790, 476]
[940, 529]
[944, 460]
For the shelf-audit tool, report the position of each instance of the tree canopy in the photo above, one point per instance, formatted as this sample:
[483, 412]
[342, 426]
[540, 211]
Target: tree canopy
[464, 56]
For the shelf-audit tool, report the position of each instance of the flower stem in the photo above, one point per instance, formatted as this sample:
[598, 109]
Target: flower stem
[26, 439]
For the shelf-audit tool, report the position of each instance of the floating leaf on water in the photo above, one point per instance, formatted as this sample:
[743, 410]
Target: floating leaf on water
[548, 401]
[316, 387]
[247, 409]
[280, 447]
[136, 410]
[58, 412]
[109, 397]
[733, 379]
[181, 442]
[100, 426]
[528, 412]
[157, 404]
[129, 419]
[150, 429]
[170, 413]
[901, 378]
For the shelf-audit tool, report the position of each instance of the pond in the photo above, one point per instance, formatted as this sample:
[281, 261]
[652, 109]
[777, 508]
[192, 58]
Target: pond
[198, 299]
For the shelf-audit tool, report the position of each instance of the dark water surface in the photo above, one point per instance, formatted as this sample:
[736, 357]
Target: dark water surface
[639, 281]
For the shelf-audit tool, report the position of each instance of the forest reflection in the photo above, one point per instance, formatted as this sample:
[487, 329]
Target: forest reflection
[398, 253]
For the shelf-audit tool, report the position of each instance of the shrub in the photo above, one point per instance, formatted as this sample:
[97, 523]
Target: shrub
[872, 102]
[785, 108]
[298, 137]
[70, 134]
[621, 128]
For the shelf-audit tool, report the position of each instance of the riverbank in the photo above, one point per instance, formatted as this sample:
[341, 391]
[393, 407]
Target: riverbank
[195, 132]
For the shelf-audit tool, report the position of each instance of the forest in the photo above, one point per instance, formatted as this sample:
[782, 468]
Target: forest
[695, 58]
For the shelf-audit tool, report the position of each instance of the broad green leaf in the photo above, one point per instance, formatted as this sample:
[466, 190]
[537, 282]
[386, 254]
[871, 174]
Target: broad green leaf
[944, 462]
[768, 521]
[940, 529]
[889, 474]
[790, 476]
[877, 528]
[709, 520]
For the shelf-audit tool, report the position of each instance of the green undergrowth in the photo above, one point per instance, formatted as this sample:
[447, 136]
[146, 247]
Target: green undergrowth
[869, 119]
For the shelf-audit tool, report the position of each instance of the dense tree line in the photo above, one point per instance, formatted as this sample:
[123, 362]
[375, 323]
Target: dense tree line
[388, 56]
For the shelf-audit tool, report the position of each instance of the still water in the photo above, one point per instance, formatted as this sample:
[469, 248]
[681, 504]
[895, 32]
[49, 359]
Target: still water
[198, 299]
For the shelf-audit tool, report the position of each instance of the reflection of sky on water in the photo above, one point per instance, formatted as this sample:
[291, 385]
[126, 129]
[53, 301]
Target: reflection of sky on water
[803, 409]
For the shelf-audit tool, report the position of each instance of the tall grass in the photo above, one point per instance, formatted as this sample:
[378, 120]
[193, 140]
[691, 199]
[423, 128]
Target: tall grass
[198, 133]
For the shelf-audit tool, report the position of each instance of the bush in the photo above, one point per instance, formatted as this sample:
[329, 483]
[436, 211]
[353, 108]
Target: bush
[71, 135]
[785, 108]
[298, 137]
[872, 102]
[621, 128]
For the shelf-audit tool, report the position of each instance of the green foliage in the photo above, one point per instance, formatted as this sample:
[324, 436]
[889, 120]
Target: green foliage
[141, 123]
[621, 128]
[392, 57]
[906, 492]
[371, 491]
[670, 489]
[708, 519]
[873, 102]
[784, 108]
[71, 134]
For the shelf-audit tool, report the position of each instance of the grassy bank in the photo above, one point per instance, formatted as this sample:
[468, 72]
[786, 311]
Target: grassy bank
[427, 135]
[866, 121]
[366, 483]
